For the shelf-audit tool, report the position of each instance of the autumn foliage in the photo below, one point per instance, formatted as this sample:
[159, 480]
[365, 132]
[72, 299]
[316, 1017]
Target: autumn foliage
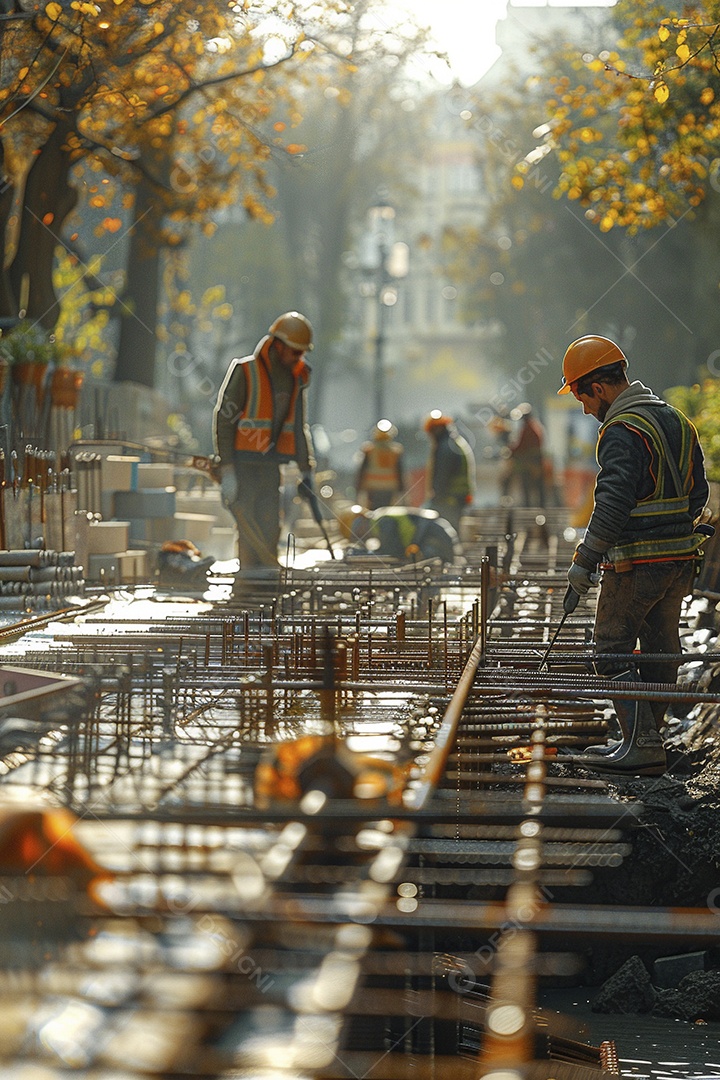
[637, 130]
[148, 115]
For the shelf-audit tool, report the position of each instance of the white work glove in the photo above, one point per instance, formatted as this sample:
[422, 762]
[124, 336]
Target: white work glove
[228, 485]
[581, 579]
[583, 572]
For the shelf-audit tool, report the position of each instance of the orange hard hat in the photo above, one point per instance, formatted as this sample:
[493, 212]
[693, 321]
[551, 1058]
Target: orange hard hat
[587, 354]
[436, 419]
[294, 329]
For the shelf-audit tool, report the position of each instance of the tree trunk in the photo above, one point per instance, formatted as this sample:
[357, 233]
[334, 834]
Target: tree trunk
[8, 304]
[47, 200]
[136, 350]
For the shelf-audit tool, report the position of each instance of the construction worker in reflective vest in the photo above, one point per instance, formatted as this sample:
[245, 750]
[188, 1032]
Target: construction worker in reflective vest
[645, 532]
[450, 473]
[259, 423]
[380, 476]
[526, 456]
[407, 533]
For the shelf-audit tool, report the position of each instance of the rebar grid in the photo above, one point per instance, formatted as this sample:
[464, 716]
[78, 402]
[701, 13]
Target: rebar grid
[318, 937]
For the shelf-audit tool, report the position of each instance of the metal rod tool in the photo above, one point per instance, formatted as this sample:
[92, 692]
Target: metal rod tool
[570, 602]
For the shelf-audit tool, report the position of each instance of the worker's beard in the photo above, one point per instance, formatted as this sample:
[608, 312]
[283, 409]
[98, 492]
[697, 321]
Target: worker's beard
[603, 410]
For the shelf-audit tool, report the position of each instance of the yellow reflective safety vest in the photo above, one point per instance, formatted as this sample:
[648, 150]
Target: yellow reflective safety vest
[661, 525]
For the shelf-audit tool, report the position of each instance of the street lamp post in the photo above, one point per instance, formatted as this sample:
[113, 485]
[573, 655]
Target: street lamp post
[389, 263]
[380, 330]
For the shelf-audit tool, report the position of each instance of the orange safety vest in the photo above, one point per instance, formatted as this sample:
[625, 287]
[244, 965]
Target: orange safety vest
[381, 472]
[254, 427]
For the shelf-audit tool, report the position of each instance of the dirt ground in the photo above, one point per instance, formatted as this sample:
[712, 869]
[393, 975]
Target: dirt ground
[675, 862]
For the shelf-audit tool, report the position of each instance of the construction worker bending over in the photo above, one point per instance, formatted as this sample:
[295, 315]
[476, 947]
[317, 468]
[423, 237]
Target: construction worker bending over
[450, 475]
[259, 423]
[380, 476]
[643, 531]
[407, 533]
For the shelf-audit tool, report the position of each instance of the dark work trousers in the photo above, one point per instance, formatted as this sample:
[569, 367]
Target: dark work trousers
[257, 511]
[643, 606]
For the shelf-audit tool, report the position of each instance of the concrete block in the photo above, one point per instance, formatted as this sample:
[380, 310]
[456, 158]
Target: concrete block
[207, 502]
[145, 503]
[153, 531]
[199, 502]
[155, 474]
[119, 473]
[107, 537]
[194, 527]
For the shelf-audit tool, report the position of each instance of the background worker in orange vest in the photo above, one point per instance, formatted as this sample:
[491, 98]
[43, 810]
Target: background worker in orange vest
[259, 423]
[527, 457]
[380, 477]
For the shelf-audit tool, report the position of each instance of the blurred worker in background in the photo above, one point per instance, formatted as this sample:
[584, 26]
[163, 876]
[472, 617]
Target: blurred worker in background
[407, 533]
[380, 479]
[259, 423]
[500, 426]
[644, 530]
[450, 474]
[527, 459]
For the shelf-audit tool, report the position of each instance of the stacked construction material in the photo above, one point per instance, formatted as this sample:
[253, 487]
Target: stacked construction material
[109, 559]
[38, 579]
[137, 502]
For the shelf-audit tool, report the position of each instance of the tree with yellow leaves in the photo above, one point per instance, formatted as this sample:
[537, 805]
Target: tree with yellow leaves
[626, 139]
[637, 130]
[180, 105]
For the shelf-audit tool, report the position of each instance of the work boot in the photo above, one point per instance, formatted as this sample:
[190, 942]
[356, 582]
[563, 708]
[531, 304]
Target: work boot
[613, 743]
[602, 749]
[659, 709]
[641, 752]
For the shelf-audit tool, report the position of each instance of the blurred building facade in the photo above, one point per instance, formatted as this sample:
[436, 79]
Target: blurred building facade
[432, 356]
